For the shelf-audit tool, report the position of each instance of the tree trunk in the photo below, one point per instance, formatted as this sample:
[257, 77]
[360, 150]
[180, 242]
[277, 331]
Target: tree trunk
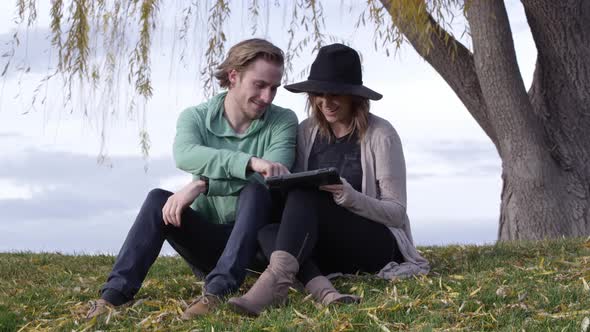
[543, 136]
[560, 97]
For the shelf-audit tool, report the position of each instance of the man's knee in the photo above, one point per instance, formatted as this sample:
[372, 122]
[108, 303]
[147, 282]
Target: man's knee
[255, 192]
[156, 198]
[254, 208]
[256, 188]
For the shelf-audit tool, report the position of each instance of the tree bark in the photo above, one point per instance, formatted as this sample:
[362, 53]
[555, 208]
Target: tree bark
[543, 136]
[560, 95]
[544, 158]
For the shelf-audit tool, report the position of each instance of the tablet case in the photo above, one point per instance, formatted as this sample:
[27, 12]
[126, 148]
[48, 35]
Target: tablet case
[307, 179]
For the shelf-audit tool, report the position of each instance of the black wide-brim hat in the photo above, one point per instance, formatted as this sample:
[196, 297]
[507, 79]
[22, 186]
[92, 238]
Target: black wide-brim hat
[336, 70]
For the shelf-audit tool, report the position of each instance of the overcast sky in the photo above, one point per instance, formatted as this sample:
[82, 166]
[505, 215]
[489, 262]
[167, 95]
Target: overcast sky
[54, 196]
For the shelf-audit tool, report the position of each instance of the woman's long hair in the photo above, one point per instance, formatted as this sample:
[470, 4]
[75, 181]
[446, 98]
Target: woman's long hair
[358, 125]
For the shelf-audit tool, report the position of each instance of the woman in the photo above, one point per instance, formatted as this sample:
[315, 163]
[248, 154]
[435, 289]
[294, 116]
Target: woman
[359, 225]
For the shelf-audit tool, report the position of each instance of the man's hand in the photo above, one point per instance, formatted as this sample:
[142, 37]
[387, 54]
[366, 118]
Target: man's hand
[176, 203]
[267, 168]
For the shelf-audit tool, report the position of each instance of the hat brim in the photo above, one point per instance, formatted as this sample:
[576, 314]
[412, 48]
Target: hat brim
[333, 88]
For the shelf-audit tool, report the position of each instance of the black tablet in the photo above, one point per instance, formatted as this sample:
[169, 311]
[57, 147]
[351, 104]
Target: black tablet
[307, 179]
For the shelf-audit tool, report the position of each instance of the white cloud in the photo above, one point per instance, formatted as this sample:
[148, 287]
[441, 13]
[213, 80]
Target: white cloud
[10, 190]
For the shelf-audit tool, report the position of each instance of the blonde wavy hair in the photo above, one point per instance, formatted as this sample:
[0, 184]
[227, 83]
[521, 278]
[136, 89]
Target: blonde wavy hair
[360, 117]
[245, 52]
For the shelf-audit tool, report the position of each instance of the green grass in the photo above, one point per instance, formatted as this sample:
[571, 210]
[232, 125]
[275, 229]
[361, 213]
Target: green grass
[509, 287]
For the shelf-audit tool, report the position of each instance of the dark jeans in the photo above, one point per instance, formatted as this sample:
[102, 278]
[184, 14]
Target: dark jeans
[226, 250]
[327, 238]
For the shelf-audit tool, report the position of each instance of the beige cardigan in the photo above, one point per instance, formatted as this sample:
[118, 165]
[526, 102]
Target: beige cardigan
[383, 197]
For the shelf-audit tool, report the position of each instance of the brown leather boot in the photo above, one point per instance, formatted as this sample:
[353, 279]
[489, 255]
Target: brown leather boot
[100, 307]
[202, 305]
[271, 288]
[324, 292]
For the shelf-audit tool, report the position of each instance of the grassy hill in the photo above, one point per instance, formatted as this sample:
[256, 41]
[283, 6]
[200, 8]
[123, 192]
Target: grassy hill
[509, 287]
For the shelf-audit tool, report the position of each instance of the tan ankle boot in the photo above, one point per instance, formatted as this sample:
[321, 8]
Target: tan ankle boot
[324, 292]
[100, 307]
[203, 305]
[271, 288]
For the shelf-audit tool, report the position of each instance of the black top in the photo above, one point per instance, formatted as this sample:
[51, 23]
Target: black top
[344, 153]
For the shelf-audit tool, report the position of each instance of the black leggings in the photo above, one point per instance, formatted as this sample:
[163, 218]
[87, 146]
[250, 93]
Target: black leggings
[327, 238]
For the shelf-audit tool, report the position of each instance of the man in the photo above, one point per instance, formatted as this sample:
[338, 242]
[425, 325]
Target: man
[228, 144]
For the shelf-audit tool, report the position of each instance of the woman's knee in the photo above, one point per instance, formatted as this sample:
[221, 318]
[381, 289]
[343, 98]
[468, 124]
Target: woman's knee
[305, 197]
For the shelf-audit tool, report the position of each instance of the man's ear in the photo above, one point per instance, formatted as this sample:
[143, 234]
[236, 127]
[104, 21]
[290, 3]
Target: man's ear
[233, 77]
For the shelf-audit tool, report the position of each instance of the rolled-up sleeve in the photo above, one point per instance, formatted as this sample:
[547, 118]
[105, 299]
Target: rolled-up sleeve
[193, 156]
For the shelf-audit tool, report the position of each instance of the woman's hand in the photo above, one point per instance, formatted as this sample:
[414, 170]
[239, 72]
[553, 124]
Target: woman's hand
[340, 192]
[335, 189]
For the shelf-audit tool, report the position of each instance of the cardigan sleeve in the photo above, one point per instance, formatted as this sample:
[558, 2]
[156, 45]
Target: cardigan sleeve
[389, 208]
[304, 131]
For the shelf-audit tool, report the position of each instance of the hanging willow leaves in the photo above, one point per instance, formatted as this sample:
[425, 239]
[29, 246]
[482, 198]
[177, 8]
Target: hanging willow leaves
[97, 42]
